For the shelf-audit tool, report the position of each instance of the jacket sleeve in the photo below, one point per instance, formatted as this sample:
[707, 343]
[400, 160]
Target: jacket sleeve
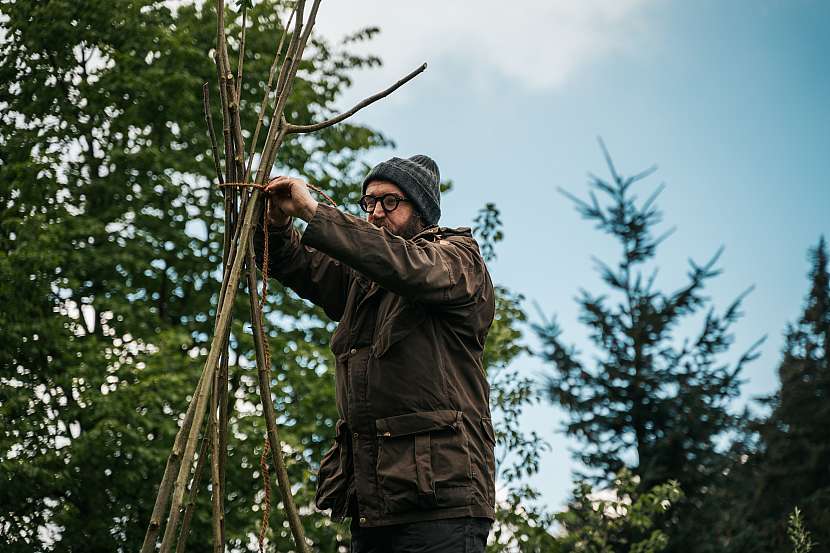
[449, 271]
[312, 274]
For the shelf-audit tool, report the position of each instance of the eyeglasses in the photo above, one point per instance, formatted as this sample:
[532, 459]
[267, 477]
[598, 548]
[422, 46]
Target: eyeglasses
[389, 202]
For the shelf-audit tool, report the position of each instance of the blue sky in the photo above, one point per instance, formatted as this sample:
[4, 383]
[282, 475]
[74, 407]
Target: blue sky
[728, 98]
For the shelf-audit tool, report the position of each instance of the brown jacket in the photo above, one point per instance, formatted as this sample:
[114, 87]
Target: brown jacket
[414, 439]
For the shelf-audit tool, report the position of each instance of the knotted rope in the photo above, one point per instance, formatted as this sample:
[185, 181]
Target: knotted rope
[266, 503]
[266, 219]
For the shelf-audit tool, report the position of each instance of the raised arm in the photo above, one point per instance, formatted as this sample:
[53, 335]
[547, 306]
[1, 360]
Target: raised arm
[446, 271]
[312, 274]
[428, 268]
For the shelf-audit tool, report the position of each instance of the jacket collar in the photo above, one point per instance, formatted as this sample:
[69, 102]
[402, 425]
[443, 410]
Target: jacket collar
[433, 232]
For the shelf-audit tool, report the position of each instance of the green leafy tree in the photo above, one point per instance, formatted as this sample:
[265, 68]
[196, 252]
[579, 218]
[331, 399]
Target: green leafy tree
[522, 523]
[625, 521]
[651, 403]
[110, 229]
[111, 234]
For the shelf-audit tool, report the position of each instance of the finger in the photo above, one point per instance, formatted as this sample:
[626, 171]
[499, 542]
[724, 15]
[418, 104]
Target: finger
[272, 181]
[277, 184]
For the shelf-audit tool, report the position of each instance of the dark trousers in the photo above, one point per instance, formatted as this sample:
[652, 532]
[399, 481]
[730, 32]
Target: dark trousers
[449, 535]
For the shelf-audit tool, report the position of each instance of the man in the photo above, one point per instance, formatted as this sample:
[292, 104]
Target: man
[412, 463]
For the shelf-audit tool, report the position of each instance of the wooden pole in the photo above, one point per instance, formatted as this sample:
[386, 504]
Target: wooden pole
[210, 396]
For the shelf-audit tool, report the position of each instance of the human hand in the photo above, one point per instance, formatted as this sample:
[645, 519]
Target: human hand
[289, 197]
[276, 216]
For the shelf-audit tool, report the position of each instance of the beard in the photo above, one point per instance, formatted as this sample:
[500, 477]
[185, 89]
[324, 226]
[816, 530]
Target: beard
[413, 226]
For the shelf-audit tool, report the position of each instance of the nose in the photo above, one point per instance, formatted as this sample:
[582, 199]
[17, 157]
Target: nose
[378, 212]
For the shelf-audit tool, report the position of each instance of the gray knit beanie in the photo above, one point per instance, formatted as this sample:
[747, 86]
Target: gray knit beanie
[419, 179]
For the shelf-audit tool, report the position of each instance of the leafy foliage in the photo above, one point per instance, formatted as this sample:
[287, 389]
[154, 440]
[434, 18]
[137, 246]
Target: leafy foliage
[488, 227]
[799, 536]
[111, 240]
[626, 522]
[521, 523]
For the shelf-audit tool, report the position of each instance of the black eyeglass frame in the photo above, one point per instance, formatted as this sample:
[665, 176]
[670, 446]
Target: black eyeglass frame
[364, 205]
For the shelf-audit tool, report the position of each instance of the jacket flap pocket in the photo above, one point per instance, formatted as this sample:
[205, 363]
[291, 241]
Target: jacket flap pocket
[416, 423]
[489, 432]
[339, 342]
[333, 477]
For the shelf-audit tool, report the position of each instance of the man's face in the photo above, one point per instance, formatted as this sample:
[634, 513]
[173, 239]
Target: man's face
[403, 220]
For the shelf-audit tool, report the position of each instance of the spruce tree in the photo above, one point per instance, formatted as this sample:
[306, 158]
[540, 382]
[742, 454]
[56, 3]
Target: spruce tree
[791, 468]
[651, 402]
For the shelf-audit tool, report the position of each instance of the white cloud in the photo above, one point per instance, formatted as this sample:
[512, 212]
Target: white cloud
[537, 43]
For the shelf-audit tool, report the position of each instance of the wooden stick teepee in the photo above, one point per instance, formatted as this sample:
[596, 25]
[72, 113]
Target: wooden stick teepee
[207, 412]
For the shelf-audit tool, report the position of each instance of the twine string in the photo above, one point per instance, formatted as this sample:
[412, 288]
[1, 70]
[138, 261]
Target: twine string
[265, 260]
[262, 186]
[266, 503]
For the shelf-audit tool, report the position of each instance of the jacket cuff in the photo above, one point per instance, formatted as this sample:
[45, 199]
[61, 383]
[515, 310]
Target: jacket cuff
[281, 229]
[275, 229]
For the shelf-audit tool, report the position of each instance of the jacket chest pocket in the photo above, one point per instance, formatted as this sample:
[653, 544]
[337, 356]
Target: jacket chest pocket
[423, 461]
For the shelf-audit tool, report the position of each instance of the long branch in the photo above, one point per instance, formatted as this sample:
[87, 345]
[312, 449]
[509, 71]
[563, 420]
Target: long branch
[241, 52]
[230, 97]
[218, 413]
[269, 155]
[217, 517]
[201, 398]
[211, 133]
[264, 374]
[181, 461]
[191, 498]
[203, 391]
[208, 438]
[285, 83]
[174, 461]
[264, 104]
[309, 26]
[243, 233]
[224, 409]
[226, 126]
[290, 128]
[284, 92]
[282, 79]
